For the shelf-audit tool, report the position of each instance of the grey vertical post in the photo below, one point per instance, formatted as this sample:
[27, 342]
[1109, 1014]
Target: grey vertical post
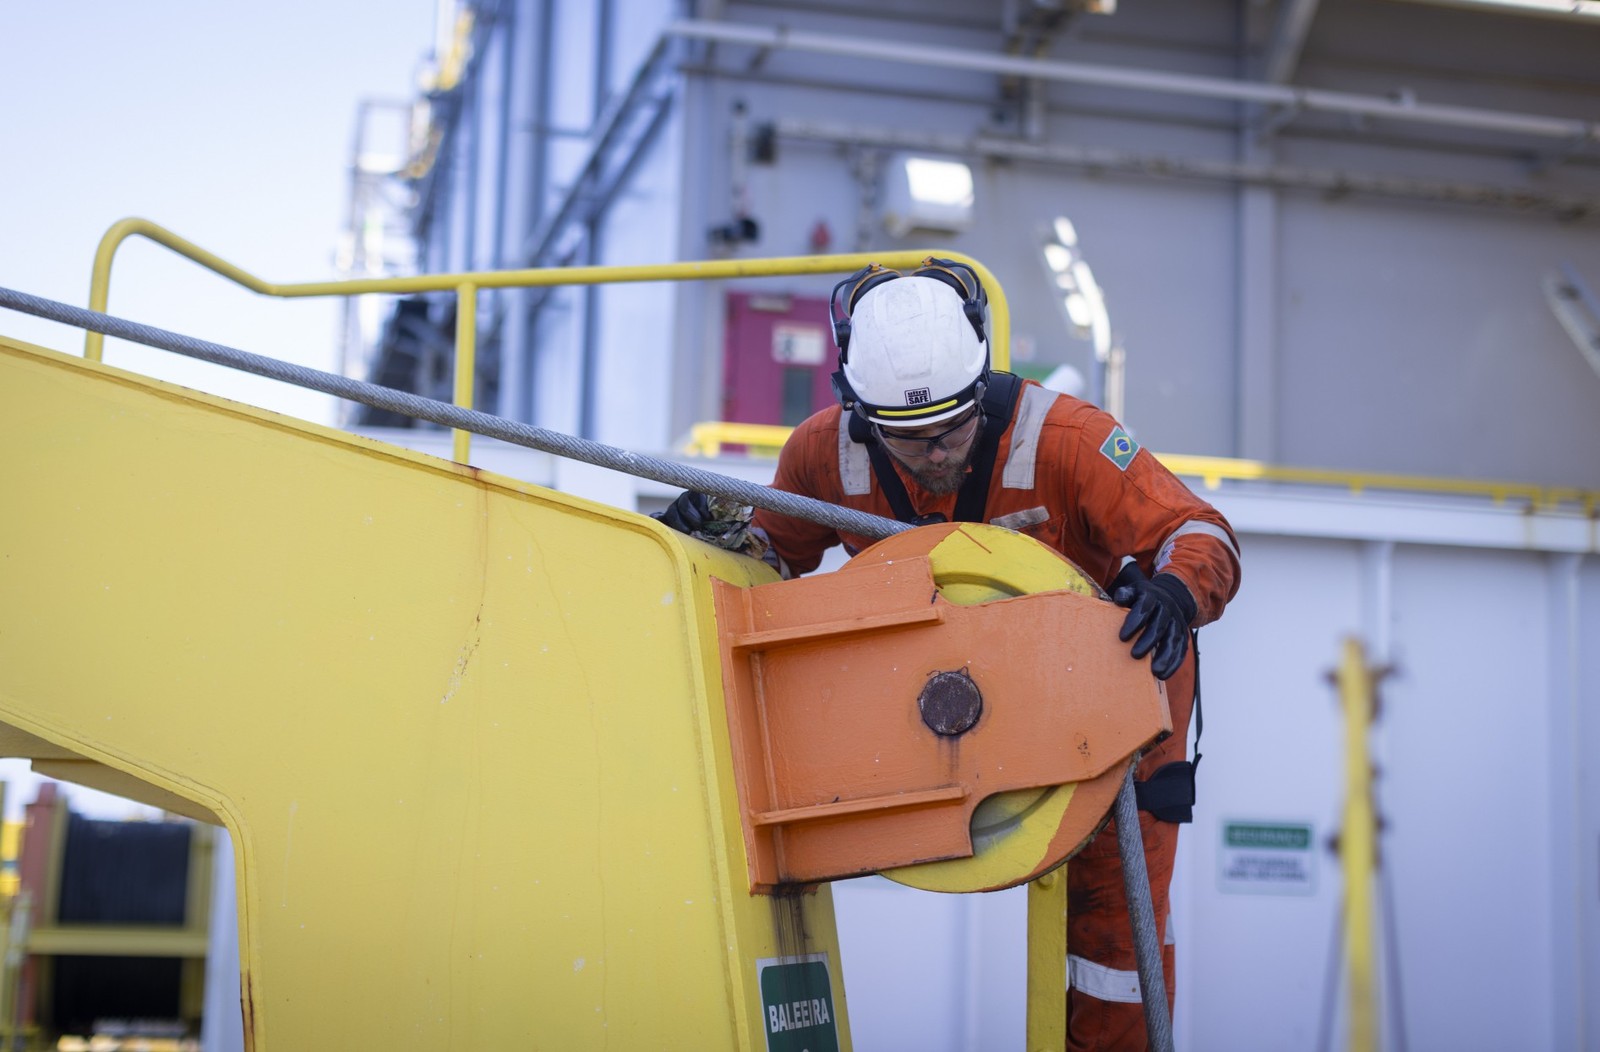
[589, 366]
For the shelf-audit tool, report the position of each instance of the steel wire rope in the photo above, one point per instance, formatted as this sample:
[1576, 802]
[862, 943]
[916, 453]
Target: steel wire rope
[1142, 918]
[792, 504]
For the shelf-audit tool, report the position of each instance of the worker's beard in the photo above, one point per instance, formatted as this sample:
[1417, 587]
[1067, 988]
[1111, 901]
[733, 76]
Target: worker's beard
[944, 478]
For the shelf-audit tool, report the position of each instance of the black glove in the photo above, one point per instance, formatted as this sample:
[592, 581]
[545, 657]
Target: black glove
[686, 514]
[1163, 609]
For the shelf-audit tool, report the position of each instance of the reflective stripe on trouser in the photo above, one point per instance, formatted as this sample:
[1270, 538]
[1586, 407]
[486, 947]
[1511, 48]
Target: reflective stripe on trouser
[1104, 1011]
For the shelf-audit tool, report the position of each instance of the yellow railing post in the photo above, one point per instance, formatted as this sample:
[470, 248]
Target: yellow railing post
[1047, 962]
[466, 359]
[1358, 848]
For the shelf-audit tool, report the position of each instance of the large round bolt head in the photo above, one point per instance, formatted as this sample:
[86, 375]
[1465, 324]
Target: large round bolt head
[950, 703]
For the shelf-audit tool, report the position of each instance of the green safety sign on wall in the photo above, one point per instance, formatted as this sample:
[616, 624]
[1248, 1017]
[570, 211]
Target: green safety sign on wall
[797, 1004]
[1267, 858]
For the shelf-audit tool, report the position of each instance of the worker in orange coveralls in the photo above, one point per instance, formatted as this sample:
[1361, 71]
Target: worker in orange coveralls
[927, 432]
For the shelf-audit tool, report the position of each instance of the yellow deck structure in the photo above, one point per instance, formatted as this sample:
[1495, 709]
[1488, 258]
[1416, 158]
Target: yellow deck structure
[465, 732]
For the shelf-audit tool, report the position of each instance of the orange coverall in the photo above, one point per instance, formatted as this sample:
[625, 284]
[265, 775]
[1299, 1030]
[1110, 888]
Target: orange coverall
[1093, 503]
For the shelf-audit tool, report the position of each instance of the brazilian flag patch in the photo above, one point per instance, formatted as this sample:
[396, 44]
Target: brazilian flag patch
[1120, 448]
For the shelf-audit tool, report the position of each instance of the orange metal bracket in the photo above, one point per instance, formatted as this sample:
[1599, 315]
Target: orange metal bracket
[836, 685]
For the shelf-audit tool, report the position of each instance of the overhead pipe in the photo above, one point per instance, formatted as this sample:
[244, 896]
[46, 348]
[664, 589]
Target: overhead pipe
[1105, 159]
[1580, 11]
[1309, 99]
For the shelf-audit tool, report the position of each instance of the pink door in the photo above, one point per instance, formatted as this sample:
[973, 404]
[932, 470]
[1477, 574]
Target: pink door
[779, 355]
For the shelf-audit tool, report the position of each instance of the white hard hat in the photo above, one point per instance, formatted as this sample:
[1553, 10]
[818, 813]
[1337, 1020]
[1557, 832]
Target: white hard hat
[915, 356]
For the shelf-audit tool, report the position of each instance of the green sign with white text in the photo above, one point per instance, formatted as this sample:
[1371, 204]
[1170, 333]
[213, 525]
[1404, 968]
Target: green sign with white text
[1267, 858]
[1283, 837]
[797, 1004]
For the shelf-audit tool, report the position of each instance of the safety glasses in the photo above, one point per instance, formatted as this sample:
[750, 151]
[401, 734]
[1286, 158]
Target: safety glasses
[948, 440]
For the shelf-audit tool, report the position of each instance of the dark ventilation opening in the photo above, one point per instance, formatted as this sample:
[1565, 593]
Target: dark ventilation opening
[120, 874]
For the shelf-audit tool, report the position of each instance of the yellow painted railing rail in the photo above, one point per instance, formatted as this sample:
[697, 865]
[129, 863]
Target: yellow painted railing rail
[1212, 470]
[707, 439]
[466, 286]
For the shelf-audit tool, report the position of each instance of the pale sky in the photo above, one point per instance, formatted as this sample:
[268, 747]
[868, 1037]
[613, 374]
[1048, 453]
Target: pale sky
[230, 124]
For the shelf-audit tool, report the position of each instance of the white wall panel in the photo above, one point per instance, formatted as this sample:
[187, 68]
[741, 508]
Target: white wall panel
[926, 972]
[1419, 341]
[1465, 789]
[1252, 965]
[556, 367]
[1585, 836]
[635, 321]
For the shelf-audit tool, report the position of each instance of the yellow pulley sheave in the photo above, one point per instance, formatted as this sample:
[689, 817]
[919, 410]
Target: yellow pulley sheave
[1014, 834]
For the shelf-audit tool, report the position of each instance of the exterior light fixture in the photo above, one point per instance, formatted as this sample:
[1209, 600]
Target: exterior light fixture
[1576, 10]
[932, 194]
[1577, 308]
[1083, 306]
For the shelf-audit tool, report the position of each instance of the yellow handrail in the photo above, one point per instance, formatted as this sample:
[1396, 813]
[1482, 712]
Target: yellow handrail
[467, 284]
[1212, 470]
[708, 438]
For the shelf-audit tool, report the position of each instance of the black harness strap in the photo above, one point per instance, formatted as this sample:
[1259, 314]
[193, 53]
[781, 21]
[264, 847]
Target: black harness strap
[1169, 792]
[999, 401]
[894, 491]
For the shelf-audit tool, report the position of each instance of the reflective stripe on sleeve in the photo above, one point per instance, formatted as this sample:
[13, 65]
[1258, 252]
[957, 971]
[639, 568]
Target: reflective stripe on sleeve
[1208, 529]
[1102, 983]
[855, 467]
[1024, 455]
